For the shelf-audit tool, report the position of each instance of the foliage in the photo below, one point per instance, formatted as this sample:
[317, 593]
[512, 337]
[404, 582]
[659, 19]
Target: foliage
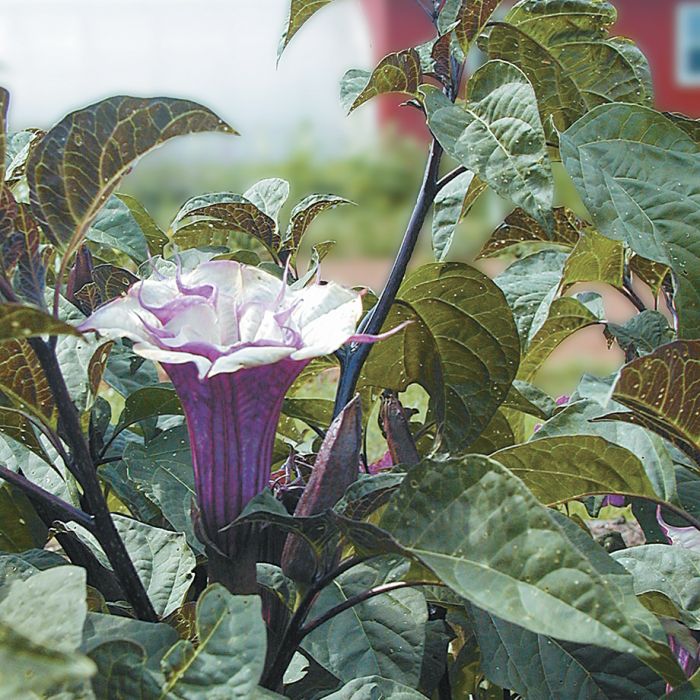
[468, 562]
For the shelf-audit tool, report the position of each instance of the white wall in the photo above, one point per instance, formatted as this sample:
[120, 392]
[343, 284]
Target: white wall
[57, 55]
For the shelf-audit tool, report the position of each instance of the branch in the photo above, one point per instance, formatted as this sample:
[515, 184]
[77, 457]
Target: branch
[629, 292]
[105, 530]
[56, 507]
[374, 321]
[447, 179]
[361, 598]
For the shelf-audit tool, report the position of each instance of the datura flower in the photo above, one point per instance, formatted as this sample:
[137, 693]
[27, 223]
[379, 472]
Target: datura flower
[232, 338]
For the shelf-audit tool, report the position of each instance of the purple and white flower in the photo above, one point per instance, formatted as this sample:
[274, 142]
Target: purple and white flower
[232, 338]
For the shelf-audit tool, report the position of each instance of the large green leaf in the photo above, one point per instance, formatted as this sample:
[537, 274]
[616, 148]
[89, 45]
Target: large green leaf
[299, 12]
[397, 72]
[122, 672]
[498, 135]
[304, 213]
[116, 227]
[564, 49]
[660, 389]
[644, 332]
[163, 561]
[485, 535]
[228, 660]
[667, 569]
[559, 469]
[462, 347]
[82, 159]
[638, 175]
[18, 321]
[147, 402]
[449, 211]
[155, 238]
[542, 668]
[472, 16]
[384, 635]
[20, 526]
[375, 688]
[577, 419]
[163, 472]
[595, 259]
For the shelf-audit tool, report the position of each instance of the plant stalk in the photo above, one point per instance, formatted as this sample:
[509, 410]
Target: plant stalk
[105, 530]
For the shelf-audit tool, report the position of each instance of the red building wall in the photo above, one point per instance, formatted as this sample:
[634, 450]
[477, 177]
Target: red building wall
[652, 24]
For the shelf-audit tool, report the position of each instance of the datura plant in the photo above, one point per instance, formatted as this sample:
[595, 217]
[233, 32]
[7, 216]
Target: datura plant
[186, 513]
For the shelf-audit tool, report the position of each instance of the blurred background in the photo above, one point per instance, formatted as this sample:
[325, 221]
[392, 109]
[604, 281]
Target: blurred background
[58, 55]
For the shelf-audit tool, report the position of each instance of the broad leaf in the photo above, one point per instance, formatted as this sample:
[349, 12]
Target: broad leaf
[449, 211]
[462, 347]
[564, 49]
[20, 526]
[498, 135]
[155, 238]
[299, 12]
[644, 332]
[485, 535]
[653, 274]
[672, 571]
[82, 159]
[595, 259]
[228, 661]
[163, 472]
[472, 16]
[148, 402]
[384, 635]
[542, 668]
[560, 469]
[17, 321]
[122, 673]
[304, 213]
[397, 72]
[269, 195]
[660, 390]
[375, 688]
[116, 227]
[638, 175]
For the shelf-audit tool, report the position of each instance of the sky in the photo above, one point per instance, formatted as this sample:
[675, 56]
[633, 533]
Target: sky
[58, 55]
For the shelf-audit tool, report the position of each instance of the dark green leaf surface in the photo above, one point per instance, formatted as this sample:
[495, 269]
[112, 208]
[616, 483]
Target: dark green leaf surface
[484, 534]
[472, 16]
[375, 688]
[17, 321]
[499, 136]
[116, 227]
[542, 668]
[462, 347]
[559, 469]
[299, 12]
[644, 332]
[82, 159]
[305, 212]
[595, 259]
[638, 175]
[448, 212]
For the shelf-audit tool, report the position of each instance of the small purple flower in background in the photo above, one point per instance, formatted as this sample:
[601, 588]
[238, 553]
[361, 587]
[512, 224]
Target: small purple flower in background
[562, 400]
[613, 500]
[232, 339]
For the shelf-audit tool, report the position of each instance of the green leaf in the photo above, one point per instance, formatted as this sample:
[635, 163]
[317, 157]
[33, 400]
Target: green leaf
[480, 530]
[472, 16]
[269, 195]
[564, 49]
[163, 561]
[229, 659]
[82, 159]
[529, 286]
[542, 668]
[155, 238]
[163, 472]
[527, 398]
[595, 259]
[667, 569]
[18, 321]
[117, 228]
[644, 332]
[659, 388]
[566, 316]
[449, 211]
[560, 469]
[638, 175]
[122, 673]
[384, 635]
[224, 213]
[15, 425]
[20, 526]
[577, 419]
[398, 72]
[147, 402]
[299, 12]
[304, 213]
[27, 668]
[48, 608]
[462, 347]
[375, 688]
[651, 273]
[126, 372]
[498, 135]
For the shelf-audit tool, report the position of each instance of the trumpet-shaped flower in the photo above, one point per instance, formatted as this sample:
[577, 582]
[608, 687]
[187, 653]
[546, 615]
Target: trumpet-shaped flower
[232, 339]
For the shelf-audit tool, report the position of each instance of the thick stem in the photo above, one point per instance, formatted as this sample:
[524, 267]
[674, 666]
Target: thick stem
[105, 530]
[376, 317]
